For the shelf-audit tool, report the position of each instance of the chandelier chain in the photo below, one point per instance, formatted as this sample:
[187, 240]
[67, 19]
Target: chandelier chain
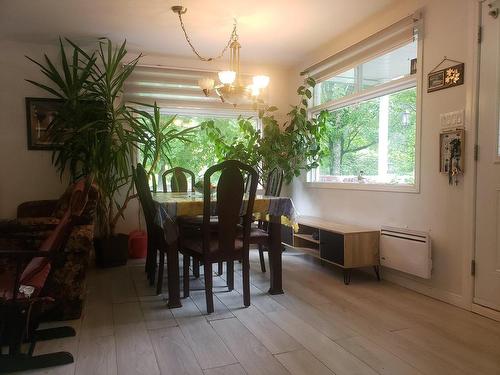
[234, 36]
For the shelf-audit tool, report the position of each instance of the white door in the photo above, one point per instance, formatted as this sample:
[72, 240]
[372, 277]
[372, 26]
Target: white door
[487, 257]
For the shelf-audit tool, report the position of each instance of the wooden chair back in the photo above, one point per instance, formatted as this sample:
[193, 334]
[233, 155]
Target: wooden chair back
[178, 182]
[230, 204]
[274, 182]
[145, 197]
[273, 189]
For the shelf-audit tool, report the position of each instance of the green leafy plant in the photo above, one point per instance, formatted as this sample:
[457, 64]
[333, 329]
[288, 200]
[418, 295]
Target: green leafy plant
[293, 147]
[153, 135]
[296, 146]
[93, 124]
[243, 148]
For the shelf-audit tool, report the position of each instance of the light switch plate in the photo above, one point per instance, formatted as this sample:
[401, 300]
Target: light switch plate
[452, 119]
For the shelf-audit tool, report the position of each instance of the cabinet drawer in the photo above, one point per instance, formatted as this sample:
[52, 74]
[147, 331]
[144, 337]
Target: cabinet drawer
[331, 246]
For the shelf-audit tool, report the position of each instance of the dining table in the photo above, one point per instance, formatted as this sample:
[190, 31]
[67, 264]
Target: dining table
[170, 207]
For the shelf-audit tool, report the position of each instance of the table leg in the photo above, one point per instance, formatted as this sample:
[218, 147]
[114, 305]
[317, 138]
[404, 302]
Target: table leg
[174, 294]
[275, 250]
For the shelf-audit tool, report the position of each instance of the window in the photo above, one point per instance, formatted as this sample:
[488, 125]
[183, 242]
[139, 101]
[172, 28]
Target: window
[339, 86]
[388, 67]
[371, 135]
[372, 141]
[198, 154]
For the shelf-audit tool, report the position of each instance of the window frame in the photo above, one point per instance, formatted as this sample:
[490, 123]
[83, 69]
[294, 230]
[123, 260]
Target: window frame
[390, 87]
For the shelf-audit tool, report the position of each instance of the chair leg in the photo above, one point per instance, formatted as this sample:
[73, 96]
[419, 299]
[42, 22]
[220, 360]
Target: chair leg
[208, 287]
[220, 269]
[159, 282]
[21, 362]
[246, 278]
[230, 275]
[261, 257]
[196, 268]
[185, 275]
[149, 262]
[154, 265]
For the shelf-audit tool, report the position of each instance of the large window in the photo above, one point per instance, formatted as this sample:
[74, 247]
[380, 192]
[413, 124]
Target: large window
[198, 154]
[371, 135]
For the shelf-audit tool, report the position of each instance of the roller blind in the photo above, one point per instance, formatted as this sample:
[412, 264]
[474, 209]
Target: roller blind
[397, 34]
[175, 88]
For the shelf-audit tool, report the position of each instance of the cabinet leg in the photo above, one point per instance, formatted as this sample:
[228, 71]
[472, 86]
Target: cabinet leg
[347, 276]
[377, 272]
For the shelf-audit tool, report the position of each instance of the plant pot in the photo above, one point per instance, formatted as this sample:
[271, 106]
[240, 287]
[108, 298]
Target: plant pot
[111, 251]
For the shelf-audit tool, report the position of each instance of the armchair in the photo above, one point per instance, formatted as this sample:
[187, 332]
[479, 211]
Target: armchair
[66, 282]
[23, 296]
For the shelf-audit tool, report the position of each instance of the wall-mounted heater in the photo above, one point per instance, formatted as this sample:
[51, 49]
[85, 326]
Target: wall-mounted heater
[406, 250]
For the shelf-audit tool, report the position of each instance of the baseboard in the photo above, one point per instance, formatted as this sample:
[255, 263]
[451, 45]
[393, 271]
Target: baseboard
[485, 311]
[442, 295]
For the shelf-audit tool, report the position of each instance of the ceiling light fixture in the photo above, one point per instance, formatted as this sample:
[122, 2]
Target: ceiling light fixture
[230, 89]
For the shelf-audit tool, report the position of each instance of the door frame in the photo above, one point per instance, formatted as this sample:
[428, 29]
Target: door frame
[472, 116]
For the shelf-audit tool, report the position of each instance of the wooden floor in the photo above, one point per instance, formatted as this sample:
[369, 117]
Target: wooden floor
[318, 327]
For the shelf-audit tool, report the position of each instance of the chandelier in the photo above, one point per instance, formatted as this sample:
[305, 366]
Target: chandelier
[230, 88]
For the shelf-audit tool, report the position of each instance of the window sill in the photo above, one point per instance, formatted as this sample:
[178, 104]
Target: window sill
[366, 187]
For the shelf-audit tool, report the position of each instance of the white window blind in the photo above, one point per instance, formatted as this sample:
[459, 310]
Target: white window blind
[397, 34]
[175, 88]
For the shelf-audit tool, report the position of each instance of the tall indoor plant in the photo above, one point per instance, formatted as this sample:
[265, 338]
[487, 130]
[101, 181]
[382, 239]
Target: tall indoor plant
[93, 125]
[100, 135]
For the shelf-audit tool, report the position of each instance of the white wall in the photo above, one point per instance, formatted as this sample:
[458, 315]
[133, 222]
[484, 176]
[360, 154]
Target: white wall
[445, 211]
[26, 175]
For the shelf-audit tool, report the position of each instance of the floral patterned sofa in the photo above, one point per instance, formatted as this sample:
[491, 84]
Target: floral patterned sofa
[35, 220]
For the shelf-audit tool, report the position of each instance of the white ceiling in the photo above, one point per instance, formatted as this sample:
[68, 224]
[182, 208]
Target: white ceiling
[271, 31]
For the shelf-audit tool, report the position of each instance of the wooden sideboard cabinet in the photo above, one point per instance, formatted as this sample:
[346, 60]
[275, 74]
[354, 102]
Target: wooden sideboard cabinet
[346, 246]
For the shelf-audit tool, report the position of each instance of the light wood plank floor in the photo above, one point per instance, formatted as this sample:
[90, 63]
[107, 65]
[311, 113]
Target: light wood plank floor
[319, 326]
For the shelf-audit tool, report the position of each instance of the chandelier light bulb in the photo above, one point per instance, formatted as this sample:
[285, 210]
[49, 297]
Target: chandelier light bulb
[254, 90]
[260, 81]
[206, 84]
[227, 77]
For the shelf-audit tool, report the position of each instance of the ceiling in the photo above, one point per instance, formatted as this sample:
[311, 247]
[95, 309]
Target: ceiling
[271, 31]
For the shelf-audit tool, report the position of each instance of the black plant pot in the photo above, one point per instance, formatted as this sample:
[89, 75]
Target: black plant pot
[111, 251]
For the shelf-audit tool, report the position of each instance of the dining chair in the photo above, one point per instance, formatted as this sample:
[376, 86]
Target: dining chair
[178, 182]
[260, 235]
[230, 241]
[156, 238]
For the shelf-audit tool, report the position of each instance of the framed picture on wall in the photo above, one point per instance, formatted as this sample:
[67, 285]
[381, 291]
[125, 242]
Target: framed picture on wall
[446, 78]
[436, 81]
[40, 114]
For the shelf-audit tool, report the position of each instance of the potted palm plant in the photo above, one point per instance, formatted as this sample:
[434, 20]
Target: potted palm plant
[92, 129]
[98, 134]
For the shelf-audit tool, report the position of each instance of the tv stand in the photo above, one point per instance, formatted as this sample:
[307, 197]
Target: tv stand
[346, 246]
